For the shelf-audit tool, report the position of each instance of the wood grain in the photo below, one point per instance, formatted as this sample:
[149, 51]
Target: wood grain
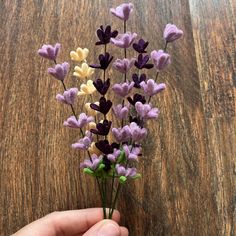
[189, 166]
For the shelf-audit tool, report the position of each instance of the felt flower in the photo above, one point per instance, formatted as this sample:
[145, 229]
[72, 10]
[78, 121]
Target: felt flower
[83, 71]
[92, 163]
[140, 46]
[142, 62]
[87, 88]
[123, 65]
[84, 143]
[123, 89]
[124, 40]
[138, 79]
[120, 111]
[139, 121]
[172, 33]
[160, 59]
[136, 98]
[59, 71]
[102, 128]
[113, 156]
[104, 35]
[91, 125]
[137, 133]
[89, 110]
[131, 152]
[146, 111]
[103, 107]
[93, 149]
[101, 86]
[83, 120]
[79, 55]
[151, 87]
[105, 60]
[104, 147]
[68, 97]
[122, 171]
[122, 134]
[123, 11]
[48, 51]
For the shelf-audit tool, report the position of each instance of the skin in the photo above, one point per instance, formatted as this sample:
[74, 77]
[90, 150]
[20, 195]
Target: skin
[86, 222]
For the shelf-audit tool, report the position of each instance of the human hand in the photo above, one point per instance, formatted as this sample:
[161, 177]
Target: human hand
[86, 222]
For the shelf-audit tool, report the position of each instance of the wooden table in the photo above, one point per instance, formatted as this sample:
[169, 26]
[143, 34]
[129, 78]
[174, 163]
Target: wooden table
[189, 166]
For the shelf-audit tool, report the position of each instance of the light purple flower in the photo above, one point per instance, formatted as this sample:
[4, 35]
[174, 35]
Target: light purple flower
[131, 152]
[151, 87]
[123, 89]
[59, 71]
[122, 171]
[123, 65]
[122, 134]
[137, 133]
[112, 157]
[124, 40]
[83, 120]
[68, 96]
[83, 143]
[172, 33]
[146, 111]
[48, 51]
[120, 111]
[93, 163]
[160, 59]
[123, 11]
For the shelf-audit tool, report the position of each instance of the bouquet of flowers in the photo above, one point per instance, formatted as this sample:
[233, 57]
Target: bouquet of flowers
[111, 134]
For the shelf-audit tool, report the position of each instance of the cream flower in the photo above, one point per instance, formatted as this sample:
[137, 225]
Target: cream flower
[87, 88]
[94, 150]
[79, 55]
[83, 71]
[92, 125]
[89, 110]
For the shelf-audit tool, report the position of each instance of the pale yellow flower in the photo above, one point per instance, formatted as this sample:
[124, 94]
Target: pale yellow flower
[79, 55]
[94, 150]
[87, 88]
[83, 71]
[91, 125]
[89, 110]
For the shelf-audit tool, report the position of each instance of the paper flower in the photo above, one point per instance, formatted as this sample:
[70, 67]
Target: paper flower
[146, 111]
[123, 89]
[59, 71]
[172, 33]
[151, 88]
[84, 143]
[104, 35]
[101, 86]
[160, 59]
[123, 11]
[83, 120]
[50, 52]
[103, 107]
[138, 79]
[68, 96]
[140, 46]
[87, 88]
[83, 71]
[124, 40]
[93, 163]
[104, 59]
[79, 55]
[123, 65]
[121, 112]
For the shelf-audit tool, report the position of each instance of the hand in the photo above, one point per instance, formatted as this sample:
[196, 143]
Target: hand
[87, 222]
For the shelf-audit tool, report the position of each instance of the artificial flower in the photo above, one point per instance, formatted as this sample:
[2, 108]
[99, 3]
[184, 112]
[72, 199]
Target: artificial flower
[124, 40]
[84, 143]
[89, 110]
[138, 79]
[103, 107]
[87, 88]
[104, 60]
[104, 146]
[123, 65]
[79, 55]
[122, 171]
[83, 120]
[137, 133]
[140, 46]
[104, 35]
[122, 134]
[68, 97]
[160, 59]
[172, 33]
[83, 71]
[113, 156]
[123, 11]
[92, 163]
[131, 152]
[50, 52]
[59, 71]
[142, 62]
[94, 150]
[123, 89]
[120, 111]
[136, 98]
[146, 111]
[151, 87]
[101, 86]
[102, 128]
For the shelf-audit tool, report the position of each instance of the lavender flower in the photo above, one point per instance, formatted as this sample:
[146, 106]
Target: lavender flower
[59, 71]
[123, 89]
[172, 33]
[142, 62]
[137, 133]
[102, 128]
[68, 96]
[123, 11]
[160, 59]
[122, 171]
[136, 98]
[140, 46]
[151, 87]
[101, 86]
[138, 79]
[50, 52]
[123, 65]
[84, 143]
[104, 147]
[146, 111]
[104, 59]
[122, 134]
[120, 111]
[93, 163]
[131, 152]
[113, 156]
[104, 106]
[104, 36]
[124, 40]
[83, 120]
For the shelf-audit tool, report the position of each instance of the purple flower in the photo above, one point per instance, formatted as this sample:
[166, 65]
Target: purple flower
[113, 156]
[123, 65]
[104, 59]
[122, 134]
[151, 87]
[122, 11]
[83, 120]
[49, 52]
[104, 147]
[59, 71]
[93, 163]
[103, 107]
[139, 121]
[146, 111]
[131, 152]
[140, 46]
[136, 98]
[101, 86]
[160, 59]
[142, 62]
[172, 33]
[122, 171]
[138, 79]
[102, 128]
[137, 133]
[124, 40]
[104, 36]
[123, 89]
[84, 143]
[68, 96]
[120, 111]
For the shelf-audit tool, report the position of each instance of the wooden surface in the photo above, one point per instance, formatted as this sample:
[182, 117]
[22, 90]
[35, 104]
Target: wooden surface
[189, 167]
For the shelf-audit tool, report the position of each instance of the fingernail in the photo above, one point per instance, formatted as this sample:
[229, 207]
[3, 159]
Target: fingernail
[109, 229]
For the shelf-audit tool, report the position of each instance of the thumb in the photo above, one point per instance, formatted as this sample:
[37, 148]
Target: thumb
[104, 228]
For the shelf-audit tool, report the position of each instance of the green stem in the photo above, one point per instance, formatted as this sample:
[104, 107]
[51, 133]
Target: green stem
[112, 186]
[115, 200]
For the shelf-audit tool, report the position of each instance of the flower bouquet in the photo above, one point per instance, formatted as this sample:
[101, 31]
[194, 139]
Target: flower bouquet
[111, 134]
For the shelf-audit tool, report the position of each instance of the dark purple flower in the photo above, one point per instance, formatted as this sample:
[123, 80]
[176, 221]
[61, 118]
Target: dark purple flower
[146, 111]
[131, 152]
[103, 107]
[137, 133]
[123, 65]
[104, 36]
[124, 40]
[50, 52]
[83, 120]
[84, 143]
[142, 62]
[139, 121]
[59, 71]
[122, 171]
[172, 33]
[122, 134]
[113, 156]
[93, 163]
[160, 59]
[151, 87]
[102, 128]
[101, 86]
[104, 147]
[68, 96]
[140, 46]
[123, 89]
[120, 111]
[122, 11]
[138, 79]
[136, 98]
[104, 59]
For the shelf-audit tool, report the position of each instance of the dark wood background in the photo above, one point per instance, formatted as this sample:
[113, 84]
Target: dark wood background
[189, 167]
